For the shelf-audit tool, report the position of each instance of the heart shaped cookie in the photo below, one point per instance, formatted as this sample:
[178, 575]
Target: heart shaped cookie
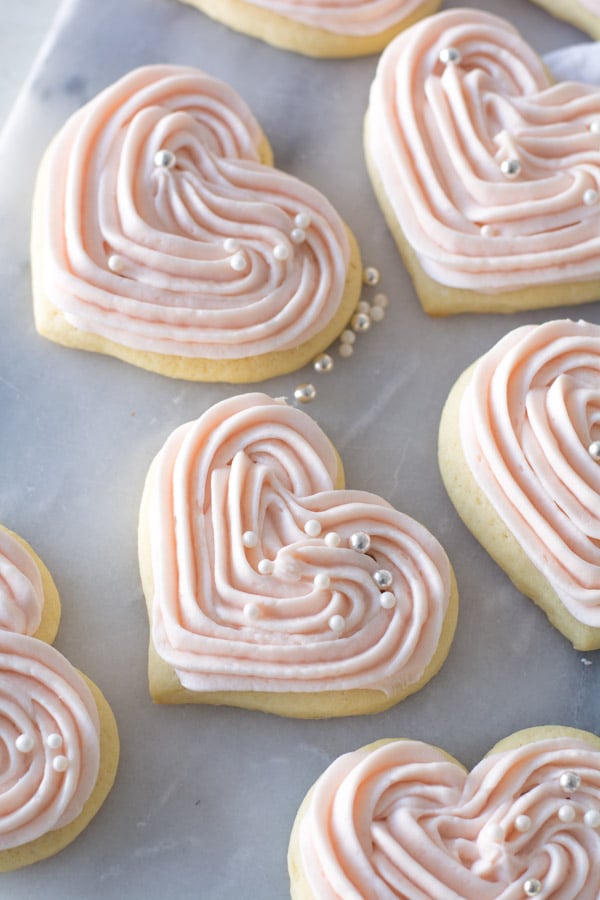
[58, 735]
[519, 453]
[402, 819]
[487, 173]
[162, 235]
[269, 587]
[344, 28]
[585, 14]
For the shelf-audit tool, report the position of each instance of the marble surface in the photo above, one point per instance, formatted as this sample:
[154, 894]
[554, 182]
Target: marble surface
[205, 798]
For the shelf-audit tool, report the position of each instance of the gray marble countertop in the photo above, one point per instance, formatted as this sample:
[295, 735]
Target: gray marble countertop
[205, 797]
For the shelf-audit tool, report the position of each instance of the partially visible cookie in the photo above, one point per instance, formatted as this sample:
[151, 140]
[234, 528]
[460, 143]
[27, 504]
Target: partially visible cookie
[584, 14]
[404, 819]
[271, 587]
[345, 28]
[488, 174]
[162, 235]
[519, 453]
[59, 735]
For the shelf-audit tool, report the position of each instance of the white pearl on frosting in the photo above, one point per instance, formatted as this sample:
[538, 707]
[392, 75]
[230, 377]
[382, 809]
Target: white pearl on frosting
[165, 159]
[592, 818]
[231, 245]
[594, 450]
[346, 350]
[238, 262]
[54, 741]
[281, 252]
[298, 235]
[566, 813]
[337, 623]
[532, 887]
[523, 823]
[488, 231]
[60, 763]
[116, 263]
[24, 743]
[590, 197]
[569, 782]
[383, 578]
[594, 126]
[322, 581]
[511, 168]
[251, 612]
[302, 220]
[312, 528]
[387, 600]
[265, 567]
[249, 539]
[450, 55]
[333, 539]
[371, 276]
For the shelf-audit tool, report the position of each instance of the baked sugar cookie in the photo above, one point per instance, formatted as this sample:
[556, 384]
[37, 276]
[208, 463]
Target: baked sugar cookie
[519, 453]
[163, 235]
[271, 587]
[58, 734]
[584, 14]
[403, 819]
[345, 28]
[487, 173]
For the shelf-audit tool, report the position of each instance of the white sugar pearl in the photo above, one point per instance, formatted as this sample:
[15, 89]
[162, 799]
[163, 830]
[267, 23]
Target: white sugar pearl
[302, 220]
[54, 741]
[251, 612]
[337, 623]
[592, 818]
[346, 350]
[566, 813]
[249, 539]
[281, 252]
[387, 600]
[238, 262]
[383, 578]
[321, 581]
[24, 743]
[347, 337]
[333, 539]
[60, 763]
[363, 307]
[116, 263]
[231, 245]
[488, 231]
[523, 823]
[377, 313]
[532, 887]
[298, 235]
[590, 197]
[265, 567]
[312, 528]
[594, 450]
[165, 159]
[381, 300]
[594, 126]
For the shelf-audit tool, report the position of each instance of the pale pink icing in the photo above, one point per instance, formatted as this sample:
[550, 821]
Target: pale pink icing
[437, 135]
[349, 17]
[42, 695]
[592, 5]
[21, 589]
[255, 464]
[403, 821]
[527, 418]
[177, 293]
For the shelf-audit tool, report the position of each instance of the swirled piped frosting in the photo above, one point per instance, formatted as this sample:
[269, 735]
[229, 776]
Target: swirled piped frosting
[21, 588]
[490, 170]
[257, 582]
[403, 820]
[528, 417]
[164, 232]
[350, 17]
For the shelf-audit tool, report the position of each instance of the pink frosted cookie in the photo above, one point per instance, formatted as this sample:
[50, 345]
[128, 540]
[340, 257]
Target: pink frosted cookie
[162, 235]
[585, 14]
[402, 819]
[317, 28]
[269, 586]
[487, 172]
[59, 739]
[519, 452]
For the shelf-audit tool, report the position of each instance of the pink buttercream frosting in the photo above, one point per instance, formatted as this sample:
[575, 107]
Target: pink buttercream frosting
[403, 820]
[21, 589]
[349, 17]
[201, 257]
[528, 417]
[439, 132]
[253, 480]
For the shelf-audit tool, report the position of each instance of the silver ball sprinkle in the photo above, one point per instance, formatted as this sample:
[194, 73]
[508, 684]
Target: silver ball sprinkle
[323, 363]
[165, 159]
[371, 276]
[361, 322]
[305, 393]
[532, 887]
[383, 578]
[594, 450]
[360, 541]
[450, 55]
[569, 782]
[511, 168]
